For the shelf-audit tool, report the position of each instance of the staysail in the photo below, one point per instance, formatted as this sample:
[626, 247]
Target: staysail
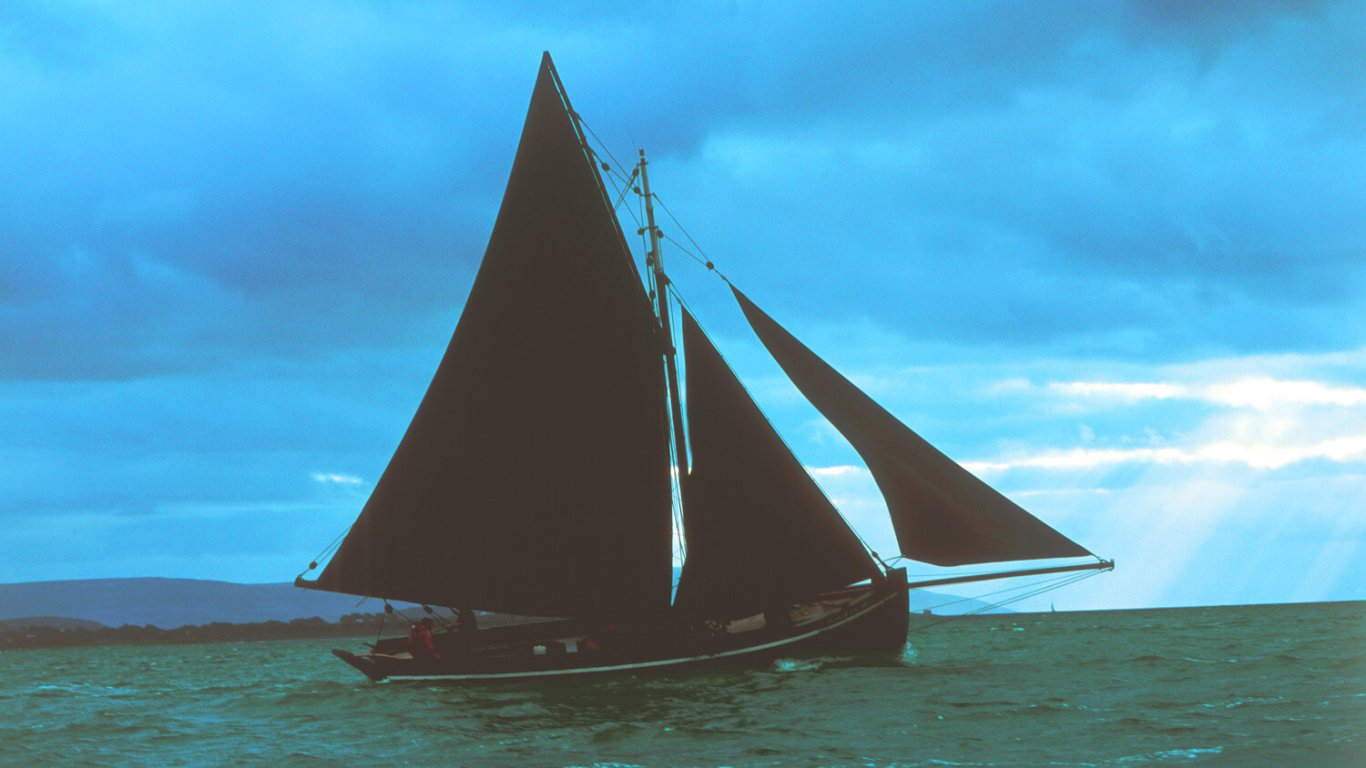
[534, 478]
[942, 513]
[760, 532]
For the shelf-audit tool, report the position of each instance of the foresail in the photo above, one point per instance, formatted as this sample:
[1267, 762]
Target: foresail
[942, 513]
[534, 477]
[760, 532]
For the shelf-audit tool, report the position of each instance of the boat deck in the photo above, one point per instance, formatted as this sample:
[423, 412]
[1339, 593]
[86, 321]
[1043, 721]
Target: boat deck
[856, 617]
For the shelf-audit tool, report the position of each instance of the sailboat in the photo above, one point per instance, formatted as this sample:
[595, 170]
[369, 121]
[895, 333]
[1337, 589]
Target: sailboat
[537, 477]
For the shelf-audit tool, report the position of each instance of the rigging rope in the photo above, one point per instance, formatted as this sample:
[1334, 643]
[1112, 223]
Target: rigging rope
[379, 634]
[326, 552]
[600, 142]
[704, 260]
[1048, 586]
[700, 260]
[1004, 590]
[612, 168]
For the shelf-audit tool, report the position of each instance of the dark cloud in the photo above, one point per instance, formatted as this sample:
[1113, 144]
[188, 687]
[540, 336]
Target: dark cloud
[1140, 175]
[259, 433]
[333, 169]
[174, 195]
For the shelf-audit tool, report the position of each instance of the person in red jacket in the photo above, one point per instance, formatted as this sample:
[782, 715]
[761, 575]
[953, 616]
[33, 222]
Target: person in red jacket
[420, 643]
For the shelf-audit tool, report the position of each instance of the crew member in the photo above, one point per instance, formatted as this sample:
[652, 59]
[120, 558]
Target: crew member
[420, 643]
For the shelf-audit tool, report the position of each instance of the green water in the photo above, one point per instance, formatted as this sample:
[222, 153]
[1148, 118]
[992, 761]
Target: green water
[1264, 685]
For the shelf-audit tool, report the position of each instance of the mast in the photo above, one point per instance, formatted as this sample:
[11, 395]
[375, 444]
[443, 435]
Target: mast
[655, 259]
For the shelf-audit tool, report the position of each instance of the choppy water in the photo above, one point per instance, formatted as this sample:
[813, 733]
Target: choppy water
[1265, 685]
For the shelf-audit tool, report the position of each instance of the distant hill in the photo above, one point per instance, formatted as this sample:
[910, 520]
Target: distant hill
[47, 622]
[170, 603]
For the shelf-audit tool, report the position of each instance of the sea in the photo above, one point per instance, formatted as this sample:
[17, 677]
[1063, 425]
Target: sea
[1272, 685]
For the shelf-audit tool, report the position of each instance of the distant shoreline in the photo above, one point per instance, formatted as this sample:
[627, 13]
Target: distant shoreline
[351, 625]
[1166, 608]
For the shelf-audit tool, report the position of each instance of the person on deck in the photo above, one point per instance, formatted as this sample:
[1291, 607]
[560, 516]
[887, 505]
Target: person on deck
[465, 620]
[605, 638]
[420, 643]
[462, 630]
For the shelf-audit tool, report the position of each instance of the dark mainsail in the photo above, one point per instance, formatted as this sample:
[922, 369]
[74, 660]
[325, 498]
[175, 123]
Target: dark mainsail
[760, 532]
[534, 478]
[941, 512]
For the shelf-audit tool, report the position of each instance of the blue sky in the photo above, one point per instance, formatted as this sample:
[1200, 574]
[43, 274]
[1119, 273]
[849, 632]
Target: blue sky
[1111, 256]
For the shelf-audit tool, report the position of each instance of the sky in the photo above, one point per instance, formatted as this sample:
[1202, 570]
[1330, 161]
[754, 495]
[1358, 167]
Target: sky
[1110, 256]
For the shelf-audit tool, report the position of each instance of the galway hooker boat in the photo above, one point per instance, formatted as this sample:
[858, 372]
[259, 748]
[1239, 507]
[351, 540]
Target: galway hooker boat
[537, 477]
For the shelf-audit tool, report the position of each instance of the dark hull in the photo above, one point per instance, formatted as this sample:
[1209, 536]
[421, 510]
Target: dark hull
[858, 620]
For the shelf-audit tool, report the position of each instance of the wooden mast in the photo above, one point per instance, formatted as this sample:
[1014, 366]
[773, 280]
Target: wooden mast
[656, 260]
